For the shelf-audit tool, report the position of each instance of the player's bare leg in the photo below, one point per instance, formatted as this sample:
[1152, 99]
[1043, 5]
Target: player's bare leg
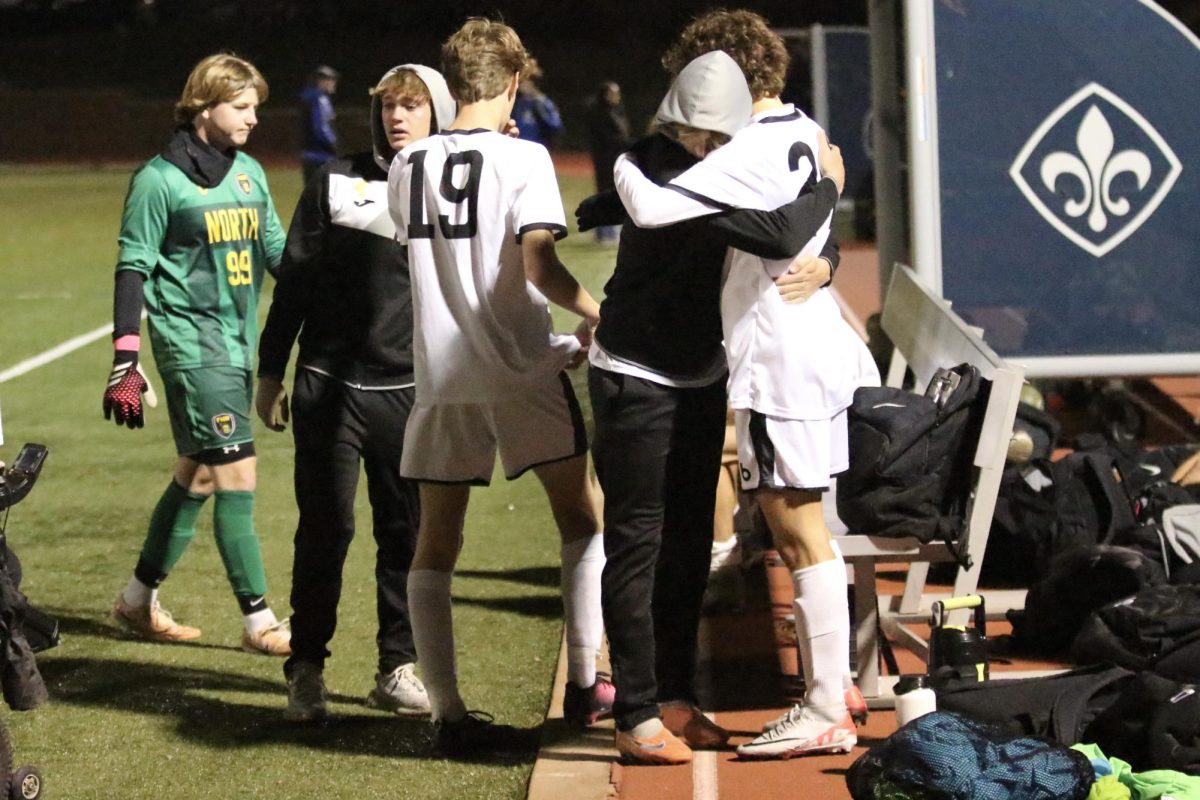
[439, 539]
[822, 724]
[574, 502]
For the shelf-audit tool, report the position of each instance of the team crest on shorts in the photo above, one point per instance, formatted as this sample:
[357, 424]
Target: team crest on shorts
[243, 182]
[224, 425]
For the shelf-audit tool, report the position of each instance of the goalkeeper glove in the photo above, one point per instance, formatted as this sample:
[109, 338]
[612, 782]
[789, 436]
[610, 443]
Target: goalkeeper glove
[123, 396]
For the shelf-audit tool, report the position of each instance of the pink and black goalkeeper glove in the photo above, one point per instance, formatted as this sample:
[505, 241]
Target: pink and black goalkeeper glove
[123, 395]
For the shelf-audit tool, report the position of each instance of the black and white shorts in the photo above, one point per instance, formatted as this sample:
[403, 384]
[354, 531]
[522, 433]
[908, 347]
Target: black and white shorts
[776, 453]
[457, 443]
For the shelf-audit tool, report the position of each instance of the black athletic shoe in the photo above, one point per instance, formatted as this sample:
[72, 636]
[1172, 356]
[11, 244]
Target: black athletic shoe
[476, 734]
[583, 706]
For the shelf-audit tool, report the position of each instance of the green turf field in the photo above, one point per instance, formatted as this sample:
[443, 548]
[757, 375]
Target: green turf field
[135, 720]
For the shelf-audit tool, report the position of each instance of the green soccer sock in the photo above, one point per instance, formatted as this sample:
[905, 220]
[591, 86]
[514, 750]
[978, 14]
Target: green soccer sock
[172, 527]
[233, 520]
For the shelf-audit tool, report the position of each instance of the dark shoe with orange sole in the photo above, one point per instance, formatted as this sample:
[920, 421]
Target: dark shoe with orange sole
[689, 724]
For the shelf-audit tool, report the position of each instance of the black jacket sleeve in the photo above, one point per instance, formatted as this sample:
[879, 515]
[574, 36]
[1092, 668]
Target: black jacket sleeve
[302, 256]
[783, 232]
[831, 253]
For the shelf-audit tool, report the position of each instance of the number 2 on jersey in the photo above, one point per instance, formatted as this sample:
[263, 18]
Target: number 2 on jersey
[799, 153]
[467, 193]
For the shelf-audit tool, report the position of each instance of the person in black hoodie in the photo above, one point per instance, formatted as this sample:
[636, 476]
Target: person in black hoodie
[343, 287]
[657, 385]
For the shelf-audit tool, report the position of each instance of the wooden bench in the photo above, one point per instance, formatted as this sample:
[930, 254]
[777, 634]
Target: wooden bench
[928, 335]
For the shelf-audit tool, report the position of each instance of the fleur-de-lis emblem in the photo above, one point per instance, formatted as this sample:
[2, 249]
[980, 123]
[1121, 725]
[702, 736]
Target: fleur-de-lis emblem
[1119, 172]
[1096, 171]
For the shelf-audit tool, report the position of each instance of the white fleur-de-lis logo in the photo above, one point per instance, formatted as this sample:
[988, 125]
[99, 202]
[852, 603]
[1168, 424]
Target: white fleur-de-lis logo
[1069, 188]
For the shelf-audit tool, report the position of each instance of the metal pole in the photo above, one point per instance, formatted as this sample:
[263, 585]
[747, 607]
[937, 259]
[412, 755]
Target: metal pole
[820, 76]
[887, 131]
[924, 186]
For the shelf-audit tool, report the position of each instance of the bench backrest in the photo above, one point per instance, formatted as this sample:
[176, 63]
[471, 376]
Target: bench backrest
[928, 335]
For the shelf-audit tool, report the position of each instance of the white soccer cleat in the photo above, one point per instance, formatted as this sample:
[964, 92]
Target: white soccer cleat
[802, 733]
[401, 692]
[856, 704]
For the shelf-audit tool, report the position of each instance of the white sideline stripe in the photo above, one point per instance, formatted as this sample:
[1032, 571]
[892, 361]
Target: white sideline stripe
[704, 773]
[58, 351]
[55, 353]
[704, 762]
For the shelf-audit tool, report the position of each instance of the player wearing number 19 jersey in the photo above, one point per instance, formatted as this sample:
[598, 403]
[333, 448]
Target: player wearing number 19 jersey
[198, 231]
[480, 213]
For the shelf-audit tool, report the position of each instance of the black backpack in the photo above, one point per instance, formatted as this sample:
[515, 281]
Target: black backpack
[1058, 707]
[1077, 583]
[1157, 629]
[1046, 508]
[911, 458]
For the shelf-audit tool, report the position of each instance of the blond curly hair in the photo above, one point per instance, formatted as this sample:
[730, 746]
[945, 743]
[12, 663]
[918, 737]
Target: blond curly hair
[746, 37]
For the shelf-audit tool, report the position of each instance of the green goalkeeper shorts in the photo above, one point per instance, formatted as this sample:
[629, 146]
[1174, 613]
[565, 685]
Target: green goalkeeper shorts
[209, 408]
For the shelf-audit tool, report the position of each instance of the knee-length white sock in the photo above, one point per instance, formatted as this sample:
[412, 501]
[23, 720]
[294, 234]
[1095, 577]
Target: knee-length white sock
[823, 626]
[582, 565]
[433, 635]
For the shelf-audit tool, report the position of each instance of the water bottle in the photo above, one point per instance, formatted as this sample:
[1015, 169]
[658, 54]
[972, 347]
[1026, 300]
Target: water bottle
[914, 698]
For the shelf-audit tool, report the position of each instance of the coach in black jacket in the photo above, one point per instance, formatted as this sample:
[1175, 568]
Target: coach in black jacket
[343, 287]
[657, 385]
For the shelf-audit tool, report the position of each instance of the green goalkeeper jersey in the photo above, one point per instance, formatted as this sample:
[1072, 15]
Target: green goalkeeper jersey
[203, 252]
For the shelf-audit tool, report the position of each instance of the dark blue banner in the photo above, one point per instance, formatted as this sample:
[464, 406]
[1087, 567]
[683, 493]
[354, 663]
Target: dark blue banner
[848, 76]
[1069, 152]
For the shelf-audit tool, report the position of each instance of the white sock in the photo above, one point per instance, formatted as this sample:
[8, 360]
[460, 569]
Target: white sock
[582, 566]
[138, 594]
[433, 635]
[650, 727]
[259, 620]
[720, 548]
[821, 603]
[847, 678]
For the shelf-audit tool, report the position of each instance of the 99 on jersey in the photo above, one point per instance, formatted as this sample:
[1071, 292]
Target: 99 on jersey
[468, 192]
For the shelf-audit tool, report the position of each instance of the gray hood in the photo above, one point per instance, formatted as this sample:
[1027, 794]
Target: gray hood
[444, 109]
[710, 94]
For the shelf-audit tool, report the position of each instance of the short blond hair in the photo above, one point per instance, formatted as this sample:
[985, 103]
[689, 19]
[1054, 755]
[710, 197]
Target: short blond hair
[480, 58]
[746, 37]
[405, 83]
[218, 79]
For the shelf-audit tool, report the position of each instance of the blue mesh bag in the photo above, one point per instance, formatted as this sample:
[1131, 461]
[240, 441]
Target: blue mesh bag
[944, 756]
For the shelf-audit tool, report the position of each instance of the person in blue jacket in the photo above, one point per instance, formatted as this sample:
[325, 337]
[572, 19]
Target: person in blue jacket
[536, 115]
[318, 137]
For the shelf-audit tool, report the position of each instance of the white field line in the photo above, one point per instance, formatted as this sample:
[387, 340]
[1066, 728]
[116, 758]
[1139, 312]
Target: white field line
[57, 352]
[704, 762]
[704, 773]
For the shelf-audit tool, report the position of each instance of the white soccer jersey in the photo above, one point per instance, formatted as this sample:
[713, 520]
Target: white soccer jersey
[461, 201]
[795, 361]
